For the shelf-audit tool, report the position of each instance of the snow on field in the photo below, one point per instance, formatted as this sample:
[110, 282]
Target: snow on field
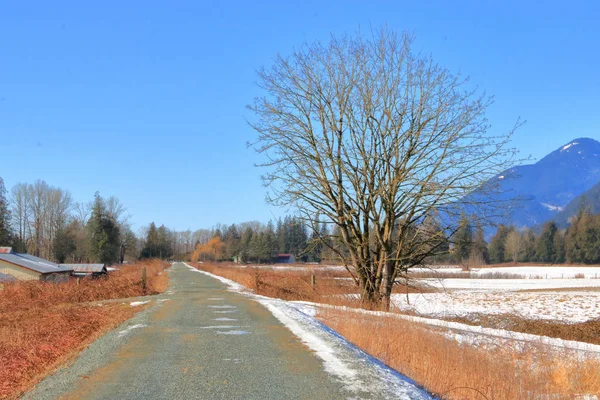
[510, 284]
[567, 307]
[544, 272]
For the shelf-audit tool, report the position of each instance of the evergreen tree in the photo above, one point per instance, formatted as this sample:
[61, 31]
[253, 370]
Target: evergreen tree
[150, 248]
[558, 248]
[545, 243]
[103, 234]
[589, 230]
[479, 249]
[497, 245]
[232, 242]
[163, 246]
[64, 243]
[463, 239]
[529, 247]
[280, 235]
[574, 237]
[5, 231]
[245, 244]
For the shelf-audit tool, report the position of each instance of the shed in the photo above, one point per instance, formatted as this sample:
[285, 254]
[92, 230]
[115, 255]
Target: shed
[285, 259]
[27, 267]
[93, 270]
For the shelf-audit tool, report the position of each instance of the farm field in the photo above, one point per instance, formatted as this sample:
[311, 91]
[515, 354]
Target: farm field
[554, 293]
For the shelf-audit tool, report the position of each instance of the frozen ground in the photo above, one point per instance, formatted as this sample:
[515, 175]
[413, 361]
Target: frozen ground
[510, 284]
[565, 306]
[526, 272]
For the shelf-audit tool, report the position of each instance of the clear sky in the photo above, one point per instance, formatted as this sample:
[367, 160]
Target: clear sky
[146, 100]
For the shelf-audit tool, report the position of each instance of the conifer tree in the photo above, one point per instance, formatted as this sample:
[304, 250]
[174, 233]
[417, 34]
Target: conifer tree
[103, 234]
[529, 245]
[463, 239]
[558, 248]
[5, 231]
[479, 250]
[498, 244]
[545, 243]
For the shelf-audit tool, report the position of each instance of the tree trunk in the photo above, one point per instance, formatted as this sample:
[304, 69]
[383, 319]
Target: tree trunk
[388, 285]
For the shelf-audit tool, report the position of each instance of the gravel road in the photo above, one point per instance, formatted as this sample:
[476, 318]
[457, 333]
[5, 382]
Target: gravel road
[198, 341]
[201, 341]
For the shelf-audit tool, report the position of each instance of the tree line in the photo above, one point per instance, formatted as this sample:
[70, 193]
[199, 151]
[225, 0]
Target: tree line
[261, 243]
[45, 221]
[579, 243]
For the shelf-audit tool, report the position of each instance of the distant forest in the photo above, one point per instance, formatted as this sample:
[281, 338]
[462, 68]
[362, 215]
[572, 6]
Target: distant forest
[578, 244]
[45, 221]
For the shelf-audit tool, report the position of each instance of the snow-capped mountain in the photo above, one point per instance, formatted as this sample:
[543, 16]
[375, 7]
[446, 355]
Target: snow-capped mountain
[548, 186]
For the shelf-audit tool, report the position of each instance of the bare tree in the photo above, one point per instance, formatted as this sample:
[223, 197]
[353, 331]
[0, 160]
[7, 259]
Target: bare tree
[374, 138]
[81, 212]
[20, 212]
[513, 246]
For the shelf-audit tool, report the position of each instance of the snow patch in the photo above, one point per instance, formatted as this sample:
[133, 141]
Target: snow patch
[360, 373]
[130, 328]
[138, 303]
[225, 319]
[233, 332]
[224, 306]
[569, 145]
[221, 327]
[551, 207]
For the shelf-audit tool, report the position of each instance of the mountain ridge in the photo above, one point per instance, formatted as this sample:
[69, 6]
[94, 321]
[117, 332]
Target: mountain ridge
[547, 187]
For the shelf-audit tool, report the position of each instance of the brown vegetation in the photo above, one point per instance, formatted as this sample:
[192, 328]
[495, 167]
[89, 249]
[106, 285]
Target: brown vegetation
[456, 371]
[43, 324]
[588, 332]
[330, 286]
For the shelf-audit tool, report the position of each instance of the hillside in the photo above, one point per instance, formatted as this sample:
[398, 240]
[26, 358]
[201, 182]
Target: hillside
[549, 186]
[591, 199]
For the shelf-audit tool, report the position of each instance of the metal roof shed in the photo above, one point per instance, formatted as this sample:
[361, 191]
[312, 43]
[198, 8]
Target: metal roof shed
[28, 267]
[87, 269]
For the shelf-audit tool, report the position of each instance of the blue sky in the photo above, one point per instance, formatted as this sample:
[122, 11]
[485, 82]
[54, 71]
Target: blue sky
[146, 100]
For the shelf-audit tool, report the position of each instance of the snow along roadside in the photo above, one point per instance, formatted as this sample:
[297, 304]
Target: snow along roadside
[469, 330]
[361, 374]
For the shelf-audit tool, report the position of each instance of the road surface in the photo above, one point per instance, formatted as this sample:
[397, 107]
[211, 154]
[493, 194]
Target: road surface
[198, 341]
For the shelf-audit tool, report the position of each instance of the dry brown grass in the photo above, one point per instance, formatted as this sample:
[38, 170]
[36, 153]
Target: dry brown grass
[588, 331]
[289, 285]
[455, 371]
[43, 324]
[331, 286]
